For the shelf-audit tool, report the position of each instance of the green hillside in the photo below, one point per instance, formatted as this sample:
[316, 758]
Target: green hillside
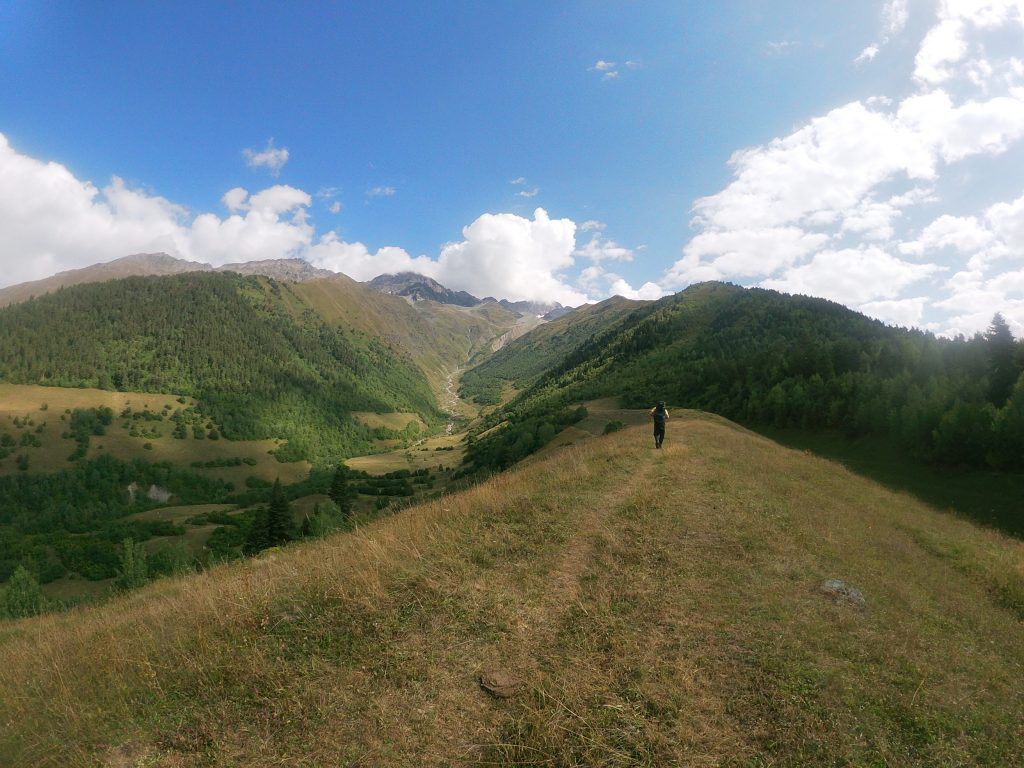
[439, 338]
[762, 357]
[644, 608]
[522, 361]
[257, 357]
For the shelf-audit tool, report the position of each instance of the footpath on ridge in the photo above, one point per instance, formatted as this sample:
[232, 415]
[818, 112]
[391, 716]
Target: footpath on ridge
[625, 606]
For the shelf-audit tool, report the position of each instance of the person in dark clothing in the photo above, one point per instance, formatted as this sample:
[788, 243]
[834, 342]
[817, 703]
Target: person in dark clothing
[659, 414]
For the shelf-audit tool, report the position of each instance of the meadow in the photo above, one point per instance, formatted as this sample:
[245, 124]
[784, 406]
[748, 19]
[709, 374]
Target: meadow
[647, 608]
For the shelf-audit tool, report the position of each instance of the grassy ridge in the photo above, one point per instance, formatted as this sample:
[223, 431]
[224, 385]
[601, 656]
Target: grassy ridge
[656, 608]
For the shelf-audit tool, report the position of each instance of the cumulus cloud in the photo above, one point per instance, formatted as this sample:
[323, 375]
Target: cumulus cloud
[599, 283]
[599, 249]
[827, 208]
[271, 158]
[529, 192]
[52, 221]
[902, 312]
[722, 254]
[852, 276]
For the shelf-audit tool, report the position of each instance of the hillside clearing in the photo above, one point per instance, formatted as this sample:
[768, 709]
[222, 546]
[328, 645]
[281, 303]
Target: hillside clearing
[655, 608]
[43, 410]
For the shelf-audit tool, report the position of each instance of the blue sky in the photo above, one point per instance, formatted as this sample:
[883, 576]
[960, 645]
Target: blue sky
[426, 136]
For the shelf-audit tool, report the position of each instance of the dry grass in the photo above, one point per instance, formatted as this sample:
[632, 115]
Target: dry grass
[658, 608]
[396, 421]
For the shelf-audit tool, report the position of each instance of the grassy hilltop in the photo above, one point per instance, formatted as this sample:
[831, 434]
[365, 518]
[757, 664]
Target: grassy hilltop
[653, 608]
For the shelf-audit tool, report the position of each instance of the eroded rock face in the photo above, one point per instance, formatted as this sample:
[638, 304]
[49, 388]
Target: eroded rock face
[500, 683]
[841, 592]
[156, 493]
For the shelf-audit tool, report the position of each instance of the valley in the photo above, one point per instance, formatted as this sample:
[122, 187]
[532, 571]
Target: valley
[468, 492]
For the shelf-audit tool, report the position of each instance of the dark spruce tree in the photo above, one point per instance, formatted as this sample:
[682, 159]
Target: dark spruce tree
[340, 492]
[1002, 354]
[258, 537]
[280, 524]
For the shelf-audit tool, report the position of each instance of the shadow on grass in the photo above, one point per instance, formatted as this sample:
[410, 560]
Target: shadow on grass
[991, 498]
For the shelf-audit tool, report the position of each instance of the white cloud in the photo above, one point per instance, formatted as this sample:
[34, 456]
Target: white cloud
[507, 255]
[518, 180]
[599, 284]
[591, 225]
[271, 158]
[871, 220]
[841, 192]
[529, 192]
[779, 47]
[965, 234]
[943, 46]
[502, 255]
[52, 221]
[234, 199]
[868, 54]
[609, 70]
[853, 276]
[726, 254]
[1007, 223]
[335, 207]
[599, 249]
[904, 312]
[380, 192]
[895, 14]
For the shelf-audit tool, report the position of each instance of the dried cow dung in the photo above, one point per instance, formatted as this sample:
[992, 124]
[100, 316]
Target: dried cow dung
[499, 683]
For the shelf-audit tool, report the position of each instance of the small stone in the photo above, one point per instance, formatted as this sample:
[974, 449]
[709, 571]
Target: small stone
[499, 683]
[841, 592]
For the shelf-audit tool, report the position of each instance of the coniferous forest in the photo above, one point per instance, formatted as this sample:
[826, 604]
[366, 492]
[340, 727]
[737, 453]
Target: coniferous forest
[260, 363]
[761, 357]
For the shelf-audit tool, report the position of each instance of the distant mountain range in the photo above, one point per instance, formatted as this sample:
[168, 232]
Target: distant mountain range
[409, 285]
[417, 287]
[156, 264]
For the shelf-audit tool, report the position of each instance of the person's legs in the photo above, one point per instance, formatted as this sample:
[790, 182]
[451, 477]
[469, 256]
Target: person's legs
[659, 435]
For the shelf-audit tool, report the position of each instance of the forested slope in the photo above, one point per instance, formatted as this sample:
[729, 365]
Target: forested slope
[438, 337]
[258, 358]
[520, 362]
[759, 356]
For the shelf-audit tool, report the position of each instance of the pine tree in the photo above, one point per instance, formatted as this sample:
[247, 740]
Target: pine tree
[1002, 350]
[280, 524]
[258, 537]
[133, 572]
[22, 596]
[340, 492]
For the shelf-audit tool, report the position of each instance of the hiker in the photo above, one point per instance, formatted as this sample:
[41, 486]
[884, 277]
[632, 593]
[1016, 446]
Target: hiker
[660, 415]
